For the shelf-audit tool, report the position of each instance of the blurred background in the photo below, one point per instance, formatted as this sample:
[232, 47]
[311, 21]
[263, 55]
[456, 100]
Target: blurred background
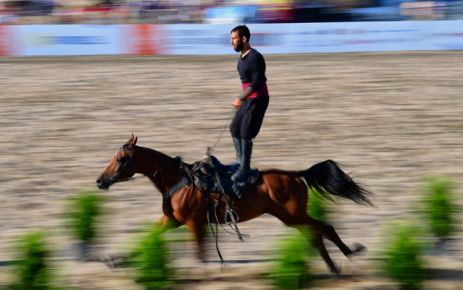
[373, 85]
[224, 11]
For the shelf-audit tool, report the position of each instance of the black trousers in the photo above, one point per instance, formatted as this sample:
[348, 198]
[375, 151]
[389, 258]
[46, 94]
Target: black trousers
[248, 119]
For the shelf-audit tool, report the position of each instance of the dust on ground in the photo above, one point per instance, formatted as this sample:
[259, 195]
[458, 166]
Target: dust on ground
[390, 119]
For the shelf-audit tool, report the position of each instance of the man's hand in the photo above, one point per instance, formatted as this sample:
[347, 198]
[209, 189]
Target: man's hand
[236, 103]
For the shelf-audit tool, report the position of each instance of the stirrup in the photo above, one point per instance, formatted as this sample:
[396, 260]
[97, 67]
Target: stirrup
[237, 189]
[240, 174]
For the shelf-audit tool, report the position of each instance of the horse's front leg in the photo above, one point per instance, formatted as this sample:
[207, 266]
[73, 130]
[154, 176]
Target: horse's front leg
[197, 227]
[168, 223]
[121, 260]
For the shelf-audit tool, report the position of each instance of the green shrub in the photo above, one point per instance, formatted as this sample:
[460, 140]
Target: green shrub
[150, 258]
[440, 209]
[83, 213]
[316, 207]
[292, 266]
[32, 271]
[403, 262]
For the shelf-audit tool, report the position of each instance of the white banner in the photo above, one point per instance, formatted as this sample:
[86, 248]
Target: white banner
[210, 39]
[319, 37]
[50, 40]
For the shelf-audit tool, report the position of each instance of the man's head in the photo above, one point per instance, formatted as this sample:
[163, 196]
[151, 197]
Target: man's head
[240, 36]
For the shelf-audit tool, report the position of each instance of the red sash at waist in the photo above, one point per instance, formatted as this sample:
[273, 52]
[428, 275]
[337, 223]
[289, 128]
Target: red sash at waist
[261, 92]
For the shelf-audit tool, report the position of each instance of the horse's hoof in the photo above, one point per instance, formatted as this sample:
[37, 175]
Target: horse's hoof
[358, 249]
[336, 271]
[110, 261]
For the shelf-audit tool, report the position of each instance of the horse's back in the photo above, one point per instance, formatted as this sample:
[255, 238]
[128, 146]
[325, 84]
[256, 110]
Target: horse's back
[284, 186]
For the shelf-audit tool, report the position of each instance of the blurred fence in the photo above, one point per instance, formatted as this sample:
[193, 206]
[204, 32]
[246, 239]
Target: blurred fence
[208, 39]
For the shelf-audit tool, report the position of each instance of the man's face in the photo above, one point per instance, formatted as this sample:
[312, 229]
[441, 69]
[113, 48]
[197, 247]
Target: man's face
[236, 41]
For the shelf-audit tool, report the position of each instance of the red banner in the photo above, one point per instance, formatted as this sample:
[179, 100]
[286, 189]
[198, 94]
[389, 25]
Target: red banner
[143, 39]
[5, 40]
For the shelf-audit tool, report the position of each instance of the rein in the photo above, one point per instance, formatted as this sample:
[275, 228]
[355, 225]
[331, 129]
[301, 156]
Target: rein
[210, 149]
[183, 182]
[125, 179]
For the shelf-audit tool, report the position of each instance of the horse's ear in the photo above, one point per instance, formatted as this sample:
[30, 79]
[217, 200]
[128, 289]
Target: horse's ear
[132, 140]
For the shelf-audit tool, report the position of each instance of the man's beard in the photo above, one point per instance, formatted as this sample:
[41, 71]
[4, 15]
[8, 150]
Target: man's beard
[239, 47]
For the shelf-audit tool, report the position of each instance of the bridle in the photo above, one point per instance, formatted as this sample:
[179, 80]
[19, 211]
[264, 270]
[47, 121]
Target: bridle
[123, 163]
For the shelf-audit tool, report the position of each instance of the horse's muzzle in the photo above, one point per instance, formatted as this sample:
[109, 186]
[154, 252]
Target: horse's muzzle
[103, 183]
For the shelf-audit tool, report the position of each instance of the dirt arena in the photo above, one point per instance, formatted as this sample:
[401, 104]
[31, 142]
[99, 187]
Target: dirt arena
[390, 119]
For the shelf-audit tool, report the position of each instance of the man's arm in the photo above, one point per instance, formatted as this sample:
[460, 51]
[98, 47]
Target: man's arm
[257, 70]
[244, 94]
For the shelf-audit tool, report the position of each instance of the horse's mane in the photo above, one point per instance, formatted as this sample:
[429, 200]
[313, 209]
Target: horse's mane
[281, 171]
[164, 158]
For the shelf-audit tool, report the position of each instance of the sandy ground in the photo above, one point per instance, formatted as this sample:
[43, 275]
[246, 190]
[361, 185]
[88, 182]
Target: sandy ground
[390, 119]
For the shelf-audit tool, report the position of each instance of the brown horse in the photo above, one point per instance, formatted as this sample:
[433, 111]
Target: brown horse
[280, 193]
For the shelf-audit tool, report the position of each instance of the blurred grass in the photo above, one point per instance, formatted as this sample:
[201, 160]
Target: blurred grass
[150, 258]
[316, 207]
[83, 212]
[292, 269]
[440, 206]
[403, 261]
[32, 271]
[82, 215]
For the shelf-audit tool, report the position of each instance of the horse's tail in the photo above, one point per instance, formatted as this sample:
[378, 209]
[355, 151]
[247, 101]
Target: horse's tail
[326, 177]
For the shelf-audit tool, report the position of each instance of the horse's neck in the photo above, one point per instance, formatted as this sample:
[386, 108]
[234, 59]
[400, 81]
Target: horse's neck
[159, 168]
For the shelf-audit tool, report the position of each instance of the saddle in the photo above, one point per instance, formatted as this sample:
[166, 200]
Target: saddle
[210, 175]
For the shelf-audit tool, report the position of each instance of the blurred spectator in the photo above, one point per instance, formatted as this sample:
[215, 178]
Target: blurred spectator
[422, 10]
[30, 7]
[100, 12]
[322, 10]
[454, 9]
[8, 14]
[379, 10]
[276, 11]
[224, 11]
[231, 14]
[170, 11]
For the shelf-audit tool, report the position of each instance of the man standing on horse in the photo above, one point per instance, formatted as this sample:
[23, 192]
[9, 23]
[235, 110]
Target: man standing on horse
[252, 102]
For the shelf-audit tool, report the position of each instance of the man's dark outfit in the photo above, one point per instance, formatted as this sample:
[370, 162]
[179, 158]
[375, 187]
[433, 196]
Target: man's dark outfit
[248, 119]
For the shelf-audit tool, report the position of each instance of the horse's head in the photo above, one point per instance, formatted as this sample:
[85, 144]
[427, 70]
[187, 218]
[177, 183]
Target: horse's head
[120, 167]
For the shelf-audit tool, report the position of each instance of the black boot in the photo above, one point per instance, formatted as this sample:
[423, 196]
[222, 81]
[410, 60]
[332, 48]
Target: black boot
[237, 143]
[245, 164]
[246, 152]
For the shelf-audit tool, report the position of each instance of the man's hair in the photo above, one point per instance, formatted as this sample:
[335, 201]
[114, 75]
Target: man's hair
[242, 30]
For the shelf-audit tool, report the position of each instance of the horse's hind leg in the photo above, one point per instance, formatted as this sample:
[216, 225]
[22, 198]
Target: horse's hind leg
[315, 238]
[317, 242]
[328, 232]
